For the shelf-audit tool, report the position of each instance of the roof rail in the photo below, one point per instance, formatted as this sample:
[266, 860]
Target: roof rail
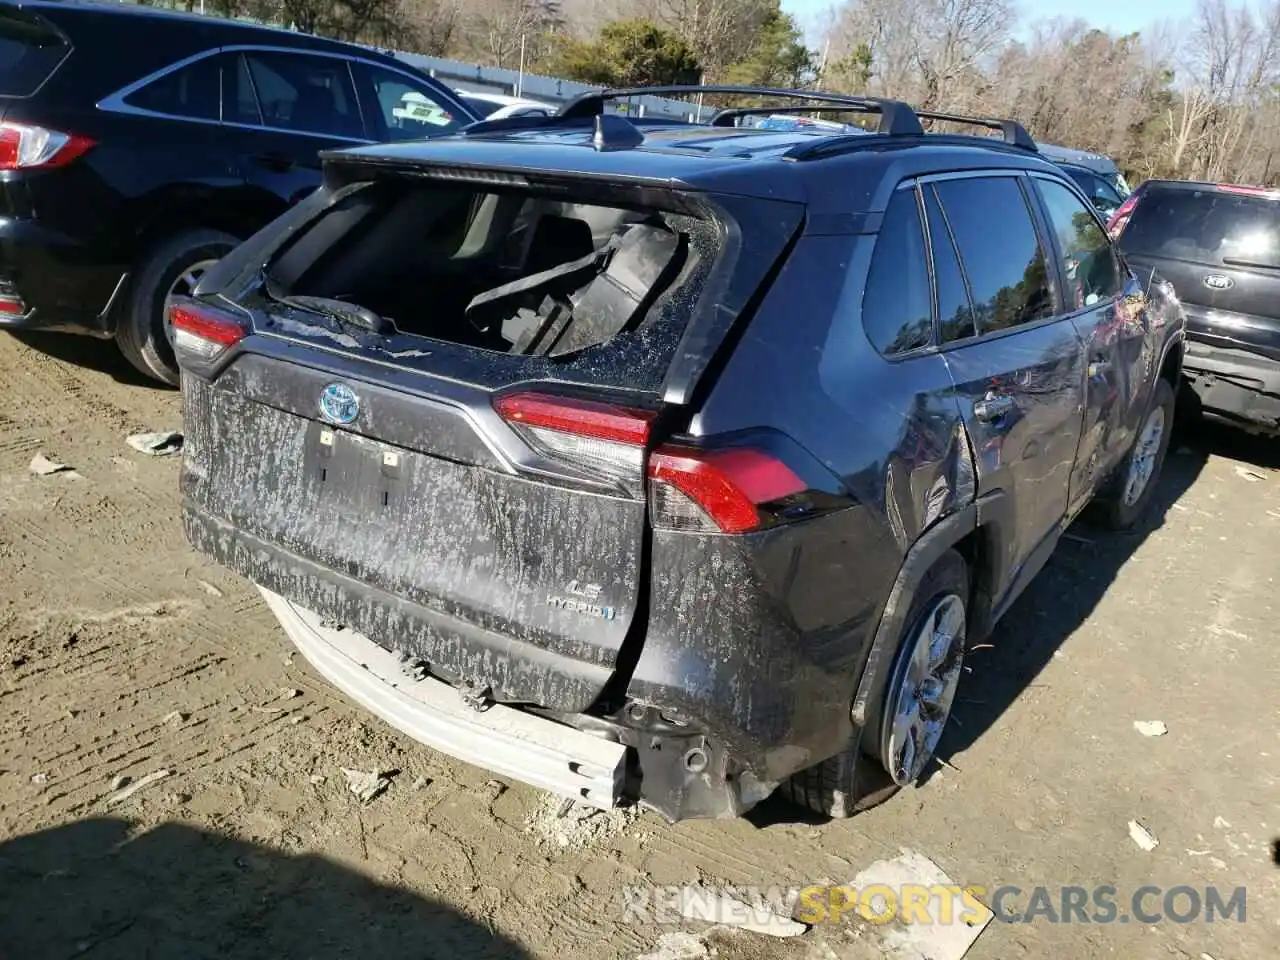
[726, 117]
[1014, 133]
[896, 117]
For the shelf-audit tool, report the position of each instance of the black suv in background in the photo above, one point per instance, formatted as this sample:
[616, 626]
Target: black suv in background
[1219, 246]
[1097, 176]
[663, 461]
[138, 146]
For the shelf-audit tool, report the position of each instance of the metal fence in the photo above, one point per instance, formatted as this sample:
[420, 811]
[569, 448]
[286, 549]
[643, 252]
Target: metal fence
[473, 77]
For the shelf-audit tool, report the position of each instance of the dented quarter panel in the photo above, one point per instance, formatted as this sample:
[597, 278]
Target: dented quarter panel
[763, 638]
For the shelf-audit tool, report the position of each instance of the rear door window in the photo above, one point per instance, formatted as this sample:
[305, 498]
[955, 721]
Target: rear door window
[896, 307]
[1000, 251]
[955, 314]
[1093, 273]
[30, 50]
[306, 94]
[400, 109]
[192, 92]
[1205, 226]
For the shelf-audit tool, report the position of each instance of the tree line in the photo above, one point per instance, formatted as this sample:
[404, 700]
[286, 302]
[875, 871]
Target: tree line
[1197, 98]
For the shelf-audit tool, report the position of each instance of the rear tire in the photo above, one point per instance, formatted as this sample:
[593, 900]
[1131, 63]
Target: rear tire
[142, 331]
[860, 777]
[1120, 506]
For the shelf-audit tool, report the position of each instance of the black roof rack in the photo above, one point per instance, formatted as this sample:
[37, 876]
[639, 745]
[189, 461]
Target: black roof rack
[1014, 133]
[896, 117]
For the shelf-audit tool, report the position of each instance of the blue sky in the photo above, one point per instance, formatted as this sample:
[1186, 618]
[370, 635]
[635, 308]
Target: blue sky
[1120, 16]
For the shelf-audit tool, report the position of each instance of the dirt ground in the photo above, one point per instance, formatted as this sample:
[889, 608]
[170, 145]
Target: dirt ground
[122, 654]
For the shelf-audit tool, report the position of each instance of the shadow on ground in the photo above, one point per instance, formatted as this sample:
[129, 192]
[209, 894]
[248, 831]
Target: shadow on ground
[102, 889]
[91, 353]
[1074, 581]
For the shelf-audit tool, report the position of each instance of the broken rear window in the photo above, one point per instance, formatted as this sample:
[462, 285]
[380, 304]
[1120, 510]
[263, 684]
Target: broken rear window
[513, 272]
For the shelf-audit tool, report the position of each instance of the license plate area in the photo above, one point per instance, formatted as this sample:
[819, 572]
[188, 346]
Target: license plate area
[355, 477]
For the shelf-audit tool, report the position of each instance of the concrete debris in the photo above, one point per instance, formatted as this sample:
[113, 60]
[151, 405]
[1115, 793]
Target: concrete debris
[1144, 838]
[703, 903]
[42, 466]
[366, 784]
[40, 779]
[1244, 473]
[161, 444]
[421, 783]
[288, 693]
[317, 779]
[678, 946]
[209, 588]
[1220, 823]
[567, 825]
[1150, 728]
[125, 793]
[936, 940]
[176, 717]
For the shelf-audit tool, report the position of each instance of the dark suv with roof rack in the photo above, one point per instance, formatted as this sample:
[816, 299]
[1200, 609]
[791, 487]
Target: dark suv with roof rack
[124, 176]
[668, 462]
[1219, 247]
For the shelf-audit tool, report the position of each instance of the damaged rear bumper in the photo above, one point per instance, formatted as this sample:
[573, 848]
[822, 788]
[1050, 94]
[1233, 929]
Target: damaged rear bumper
[507, 741]
[633, 755]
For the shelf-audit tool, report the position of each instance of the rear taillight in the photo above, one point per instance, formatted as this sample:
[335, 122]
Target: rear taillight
[588, 433]
[202, 334]
[11, 304]
[1115, 226]
[25, 147]
[716, 490]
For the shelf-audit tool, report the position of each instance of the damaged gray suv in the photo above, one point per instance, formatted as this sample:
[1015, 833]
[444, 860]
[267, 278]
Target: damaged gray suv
[670, 463]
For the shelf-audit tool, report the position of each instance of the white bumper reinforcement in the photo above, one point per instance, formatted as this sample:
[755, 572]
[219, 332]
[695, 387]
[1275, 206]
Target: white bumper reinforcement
[507, 741]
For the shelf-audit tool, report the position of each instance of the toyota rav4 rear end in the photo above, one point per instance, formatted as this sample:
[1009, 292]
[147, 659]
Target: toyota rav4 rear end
[434, 412]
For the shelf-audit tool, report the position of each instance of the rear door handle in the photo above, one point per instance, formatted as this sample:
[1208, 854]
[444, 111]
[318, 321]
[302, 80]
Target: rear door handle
[992, 407]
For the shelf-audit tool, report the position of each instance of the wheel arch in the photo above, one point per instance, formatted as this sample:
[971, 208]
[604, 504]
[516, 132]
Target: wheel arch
[959, 531]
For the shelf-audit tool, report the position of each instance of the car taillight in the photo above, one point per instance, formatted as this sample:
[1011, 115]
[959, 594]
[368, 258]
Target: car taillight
[202, 334]
[1115, 226]
[25, 147]
[716, 490]
[591, 434]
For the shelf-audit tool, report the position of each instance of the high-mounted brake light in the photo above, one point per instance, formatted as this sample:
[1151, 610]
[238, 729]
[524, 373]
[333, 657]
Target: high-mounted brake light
[712, 490]
[25, 147]
[598, 436]
[1115, 226]
[203, 334]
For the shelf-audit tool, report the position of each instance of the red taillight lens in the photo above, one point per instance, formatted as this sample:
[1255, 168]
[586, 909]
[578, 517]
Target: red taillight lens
[599, 436]
[1115, 226]
[203, 334]
[584, 418]
[24, 147]
[725, 487]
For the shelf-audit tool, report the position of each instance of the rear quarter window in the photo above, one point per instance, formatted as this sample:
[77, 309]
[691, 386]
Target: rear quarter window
[896, 309]
[30, 50]
[1205, 226]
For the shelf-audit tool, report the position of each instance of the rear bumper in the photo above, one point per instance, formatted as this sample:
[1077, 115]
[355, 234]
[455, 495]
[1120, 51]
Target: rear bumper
[1235, 384]
[507, 741]
[680, 772]
[63, 285]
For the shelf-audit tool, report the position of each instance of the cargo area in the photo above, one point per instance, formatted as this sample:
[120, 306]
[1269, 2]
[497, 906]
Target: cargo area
[517, 271]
